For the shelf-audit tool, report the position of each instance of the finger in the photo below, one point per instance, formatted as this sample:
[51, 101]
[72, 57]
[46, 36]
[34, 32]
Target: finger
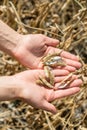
[65, 92]
[73, 63]
[75, 83]
[51, 41]
[55, 72]
[58, 72]
[69, 56]
[66, 54]
[49, 107]
[40, 65]
[69, 68]
[59, 78]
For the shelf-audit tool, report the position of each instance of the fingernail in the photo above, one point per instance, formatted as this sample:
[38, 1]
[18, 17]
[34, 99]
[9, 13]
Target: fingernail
[79, 65]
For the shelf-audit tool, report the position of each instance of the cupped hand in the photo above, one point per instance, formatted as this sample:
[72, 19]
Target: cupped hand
[31, 48]
[41, 96]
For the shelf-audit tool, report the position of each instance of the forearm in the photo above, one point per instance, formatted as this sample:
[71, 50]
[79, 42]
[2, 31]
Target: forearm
[8, 88]
[8, 38]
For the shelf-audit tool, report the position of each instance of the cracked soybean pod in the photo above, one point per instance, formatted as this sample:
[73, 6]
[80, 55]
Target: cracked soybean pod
[65, 82]
[45, 82]
[47, 71]
[49, 74]
[46, 58]
[53, 60]
[39, 82]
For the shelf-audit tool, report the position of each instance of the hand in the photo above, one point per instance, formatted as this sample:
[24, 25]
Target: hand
[41, 96]
[31, 48]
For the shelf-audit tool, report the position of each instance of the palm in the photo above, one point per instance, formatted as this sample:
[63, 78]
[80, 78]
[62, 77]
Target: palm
[40, 96]
[33, 47]
[71, 60]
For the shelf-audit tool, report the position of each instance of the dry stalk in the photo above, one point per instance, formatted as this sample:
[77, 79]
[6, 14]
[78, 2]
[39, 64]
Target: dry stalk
[63, 20]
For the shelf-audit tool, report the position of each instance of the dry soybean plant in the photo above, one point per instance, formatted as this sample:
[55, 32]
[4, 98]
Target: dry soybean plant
[65, 20]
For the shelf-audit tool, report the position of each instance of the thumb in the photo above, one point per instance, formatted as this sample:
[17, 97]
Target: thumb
[49, 107]
[51, 41]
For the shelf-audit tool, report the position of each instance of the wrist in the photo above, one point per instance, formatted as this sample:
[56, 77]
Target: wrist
[8, 38]
[8, 88]
[17, 37]
[18, 48]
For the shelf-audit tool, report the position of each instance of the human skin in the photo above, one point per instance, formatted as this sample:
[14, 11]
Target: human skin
[29, 49]
[23, 86]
